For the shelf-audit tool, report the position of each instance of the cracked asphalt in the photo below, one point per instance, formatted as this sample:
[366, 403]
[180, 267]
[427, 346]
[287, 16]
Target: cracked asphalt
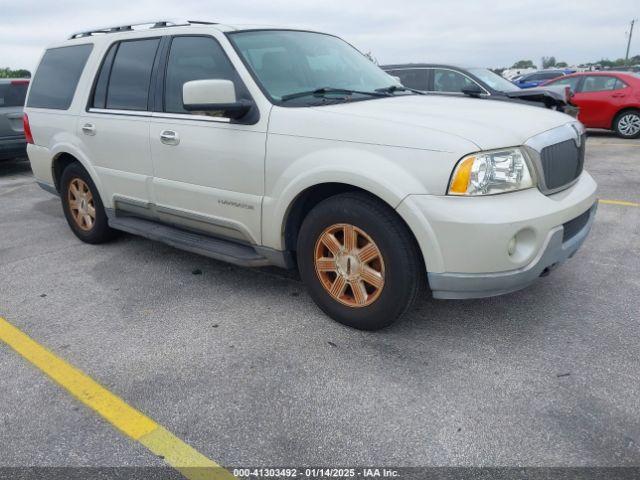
[241, 365]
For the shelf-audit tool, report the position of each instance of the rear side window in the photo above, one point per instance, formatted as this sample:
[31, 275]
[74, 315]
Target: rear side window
[128, 84]
[411, 78]
[57, 77]
[601, 83]
[572, 82]
[12, 94]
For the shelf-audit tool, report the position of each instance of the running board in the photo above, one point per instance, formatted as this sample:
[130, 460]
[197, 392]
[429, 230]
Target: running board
[225, 250]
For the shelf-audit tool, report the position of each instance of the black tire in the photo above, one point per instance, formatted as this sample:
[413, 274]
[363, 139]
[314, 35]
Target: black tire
[99, 232]
[627, 124]
[404, 271]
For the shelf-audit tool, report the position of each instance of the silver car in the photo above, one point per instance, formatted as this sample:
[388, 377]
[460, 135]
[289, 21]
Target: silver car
[12, 141]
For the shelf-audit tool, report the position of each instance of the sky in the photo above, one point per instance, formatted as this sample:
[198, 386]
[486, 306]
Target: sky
[464, 32]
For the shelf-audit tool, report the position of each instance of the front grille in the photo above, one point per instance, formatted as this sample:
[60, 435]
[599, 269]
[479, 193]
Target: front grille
[572, 227]
[562, 163]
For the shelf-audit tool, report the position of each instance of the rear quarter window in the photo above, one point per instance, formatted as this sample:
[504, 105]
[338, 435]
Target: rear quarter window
[56, 78]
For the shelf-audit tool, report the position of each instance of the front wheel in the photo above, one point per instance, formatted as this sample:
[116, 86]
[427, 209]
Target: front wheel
[359, 261]
[627, 124]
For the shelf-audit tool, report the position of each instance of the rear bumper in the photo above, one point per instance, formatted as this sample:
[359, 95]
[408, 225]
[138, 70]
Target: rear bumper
[556, 251]
[12, 148]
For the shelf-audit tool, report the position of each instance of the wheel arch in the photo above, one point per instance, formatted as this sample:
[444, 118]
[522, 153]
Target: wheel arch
[307, 199]
[62, 156]
[614, 119]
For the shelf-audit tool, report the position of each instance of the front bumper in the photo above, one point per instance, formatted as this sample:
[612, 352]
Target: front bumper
[555, 252]
[484, 246]
[13, 148]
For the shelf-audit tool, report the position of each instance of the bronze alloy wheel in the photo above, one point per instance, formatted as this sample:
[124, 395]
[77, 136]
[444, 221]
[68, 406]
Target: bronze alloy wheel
[81, 204]
[349, 265]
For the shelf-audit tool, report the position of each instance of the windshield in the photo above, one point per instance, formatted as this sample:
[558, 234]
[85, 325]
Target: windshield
[494, 80]
[290, 62]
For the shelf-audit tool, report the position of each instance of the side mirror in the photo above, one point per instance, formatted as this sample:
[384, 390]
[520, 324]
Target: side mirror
[214, 95]
[472, 91]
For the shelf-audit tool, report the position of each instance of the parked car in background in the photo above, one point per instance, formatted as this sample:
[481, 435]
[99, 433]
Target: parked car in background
[475, 82]
[608, 100]
[535, 79]
[12, 95]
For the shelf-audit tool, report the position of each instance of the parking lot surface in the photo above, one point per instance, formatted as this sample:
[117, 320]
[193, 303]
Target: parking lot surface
[241, 365]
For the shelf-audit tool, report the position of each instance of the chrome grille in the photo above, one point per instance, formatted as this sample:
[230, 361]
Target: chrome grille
[562, 163]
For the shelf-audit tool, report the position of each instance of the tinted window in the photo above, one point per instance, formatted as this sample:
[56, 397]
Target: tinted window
[450, 81]
[570, 81]
[100, 92]
[412, 78]
[57, 77]
[12, 94]
[128, 87]
[601, 83]
[194, 58]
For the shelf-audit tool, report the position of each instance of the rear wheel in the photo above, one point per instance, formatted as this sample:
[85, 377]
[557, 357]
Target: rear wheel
[627, 124]
[83, 207]
[359, 261]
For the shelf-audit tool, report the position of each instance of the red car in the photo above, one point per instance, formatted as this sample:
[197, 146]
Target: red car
[608, 100]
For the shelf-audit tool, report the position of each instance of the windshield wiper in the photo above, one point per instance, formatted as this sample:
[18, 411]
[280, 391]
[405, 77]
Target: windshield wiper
[328, 90]
[397, 88]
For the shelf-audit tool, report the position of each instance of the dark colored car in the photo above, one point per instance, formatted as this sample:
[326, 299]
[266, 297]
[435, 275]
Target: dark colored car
[12, 95]
[535, 79]
[607, 99]
[476, 82]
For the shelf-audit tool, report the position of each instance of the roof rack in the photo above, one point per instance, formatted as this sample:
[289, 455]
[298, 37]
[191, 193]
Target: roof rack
[129, 27]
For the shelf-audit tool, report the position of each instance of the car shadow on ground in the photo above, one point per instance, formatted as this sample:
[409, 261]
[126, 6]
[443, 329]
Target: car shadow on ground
[14, 166]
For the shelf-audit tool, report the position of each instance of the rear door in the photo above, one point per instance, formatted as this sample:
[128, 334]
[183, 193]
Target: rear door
[114, 129]
[599, 98]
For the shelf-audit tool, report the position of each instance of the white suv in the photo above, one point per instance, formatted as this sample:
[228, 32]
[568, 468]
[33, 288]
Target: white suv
[265, 146]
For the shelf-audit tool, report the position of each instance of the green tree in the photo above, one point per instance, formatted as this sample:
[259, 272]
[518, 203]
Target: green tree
[9, 73]
[562, 65]
[548, 62]
[524, 64]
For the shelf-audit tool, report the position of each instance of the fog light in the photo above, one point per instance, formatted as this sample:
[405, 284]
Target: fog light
[511, 248]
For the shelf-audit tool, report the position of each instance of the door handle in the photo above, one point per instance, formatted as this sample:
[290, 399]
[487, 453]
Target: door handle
[169, 137]
[618, 95]
[89, 129]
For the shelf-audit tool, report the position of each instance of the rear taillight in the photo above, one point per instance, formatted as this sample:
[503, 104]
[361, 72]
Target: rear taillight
[19, 82]
[27, 129]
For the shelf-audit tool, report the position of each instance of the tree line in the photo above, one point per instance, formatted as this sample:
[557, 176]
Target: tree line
[9, 73]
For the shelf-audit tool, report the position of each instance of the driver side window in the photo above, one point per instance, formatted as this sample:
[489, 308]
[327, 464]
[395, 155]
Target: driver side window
[194, 58]
[450, 81]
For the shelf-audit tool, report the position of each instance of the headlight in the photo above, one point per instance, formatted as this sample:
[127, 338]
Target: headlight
[488, 173]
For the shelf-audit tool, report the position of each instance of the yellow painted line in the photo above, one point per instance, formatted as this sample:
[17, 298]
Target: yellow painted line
[133, 423]
[619, 202]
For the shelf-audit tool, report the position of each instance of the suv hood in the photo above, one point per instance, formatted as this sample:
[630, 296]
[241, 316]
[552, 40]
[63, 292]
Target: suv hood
[430, 122]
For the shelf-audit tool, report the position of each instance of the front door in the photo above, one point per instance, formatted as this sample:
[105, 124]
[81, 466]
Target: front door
[209, 172]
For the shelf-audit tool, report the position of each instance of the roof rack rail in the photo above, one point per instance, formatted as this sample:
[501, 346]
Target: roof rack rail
[129, 27]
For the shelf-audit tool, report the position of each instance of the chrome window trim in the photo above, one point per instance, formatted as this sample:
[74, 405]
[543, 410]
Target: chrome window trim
[148, 114]
[486, 93]
[534, 145]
